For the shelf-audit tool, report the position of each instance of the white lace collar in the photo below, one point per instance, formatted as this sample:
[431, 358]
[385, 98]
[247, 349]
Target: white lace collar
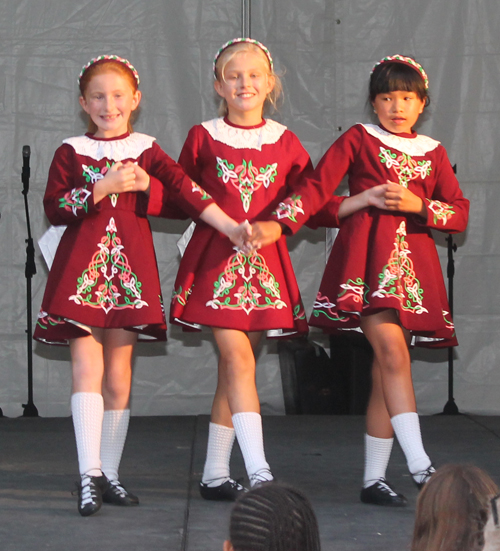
[116, 150]
[416, 147]
[244, 138]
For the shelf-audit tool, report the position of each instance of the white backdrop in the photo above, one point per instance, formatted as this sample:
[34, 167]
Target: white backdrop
[326, 48]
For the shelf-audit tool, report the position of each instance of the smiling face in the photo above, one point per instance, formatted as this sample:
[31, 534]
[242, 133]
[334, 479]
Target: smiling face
[246, 81]
[109, 100]
[398, 111]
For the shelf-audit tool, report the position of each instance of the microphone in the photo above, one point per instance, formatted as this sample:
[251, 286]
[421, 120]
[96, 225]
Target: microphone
[26, 168]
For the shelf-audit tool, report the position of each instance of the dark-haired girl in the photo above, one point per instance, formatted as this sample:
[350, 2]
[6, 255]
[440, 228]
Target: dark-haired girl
[383, 275]
[273, 517]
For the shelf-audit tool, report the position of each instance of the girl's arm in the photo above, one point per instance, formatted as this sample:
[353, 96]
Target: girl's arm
[239, 234]
[172, 194]
[265, 233]
[447, 209]
[66, 199]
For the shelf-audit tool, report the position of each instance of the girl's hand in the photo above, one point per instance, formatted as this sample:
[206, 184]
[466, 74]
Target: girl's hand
[375, 196]
[240, 236]
[371, 197]
[119, 178]
[265, 233]
[402, 199]
[142, 179]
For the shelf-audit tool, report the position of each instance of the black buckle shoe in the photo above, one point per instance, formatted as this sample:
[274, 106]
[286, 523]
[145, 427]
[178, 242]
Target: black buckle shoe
[117, 494]
[228, 491]
[382, 493]
[424, 476]
[90, 494]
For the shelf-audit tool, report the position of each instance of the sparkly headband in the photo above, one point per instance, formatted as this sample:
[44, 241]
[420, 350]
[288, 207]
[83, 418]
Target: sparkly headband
[109, 57]
[408, 61]
[239, 41]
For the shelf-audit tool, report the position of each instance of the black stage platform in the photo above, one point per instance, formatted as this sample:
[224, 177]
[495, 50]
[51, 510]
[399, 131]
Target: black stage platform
[163, 458]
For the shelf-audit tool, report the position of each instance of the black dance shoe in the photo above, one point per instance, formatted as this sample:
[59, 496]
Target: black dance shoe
[117, 494]
[382, 493]
[90, 494]
[228, 491]
[423, 476]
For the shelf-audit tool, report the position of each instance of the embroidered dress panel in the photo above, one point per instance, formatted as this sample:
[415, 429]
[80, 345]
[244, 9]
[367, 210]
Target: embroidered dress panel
[248, 171]
[104, 272]
[395, 264]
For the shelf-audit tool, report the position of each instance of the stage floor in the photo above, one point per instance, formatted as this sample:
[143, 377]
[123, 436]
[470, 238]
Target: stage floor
[162, 463]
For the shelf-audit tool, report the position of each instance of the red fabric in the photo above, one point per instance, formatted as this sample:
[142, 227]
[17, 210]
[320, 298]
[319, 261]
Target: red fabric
[123, 231]
[387, 260]
[215, 285]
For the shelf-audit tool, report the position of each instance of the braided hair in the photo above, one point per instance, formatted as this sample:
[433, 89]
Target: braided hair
[274, 517]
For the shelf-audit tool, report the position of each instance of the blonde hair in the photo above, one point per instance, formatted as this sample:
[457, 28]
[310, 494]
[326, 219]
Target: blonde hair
[272, 99]
[102, 67]
[452, 510]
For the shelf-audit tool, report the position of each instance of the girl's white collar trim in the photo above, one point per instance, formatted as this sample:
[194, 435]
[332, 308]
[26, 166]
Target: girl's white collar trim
[244, 138]
[416, 147]
[116, 150]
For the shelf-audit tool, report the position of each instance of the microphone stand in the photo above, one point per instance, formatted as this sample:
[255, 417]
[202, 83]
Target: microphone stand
[30, 409]
[450, 407]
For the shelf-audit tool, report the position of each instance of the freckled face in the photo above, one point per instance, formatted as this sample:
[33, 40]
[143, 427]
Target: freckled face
[398, 111]
[245, 86]
[109, 101]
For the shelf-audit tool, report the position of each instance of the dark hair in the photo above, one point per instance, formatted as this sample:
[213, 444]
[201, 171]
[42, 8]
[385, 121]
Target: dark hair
[273, 517]
[394, 76]
[452, 510]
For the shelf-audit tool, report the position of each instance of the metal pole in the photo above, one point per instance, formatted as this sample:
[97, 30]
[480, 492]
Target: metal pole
[450, 407]
[245, 19]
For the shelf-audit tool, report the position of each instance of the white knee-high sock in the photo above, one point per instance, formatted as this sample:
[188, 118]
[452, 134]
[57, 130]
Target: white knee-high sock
[114, 434]
[248, 428]
[87, 409]
[407, 429]
[219, 448]
[377, 454]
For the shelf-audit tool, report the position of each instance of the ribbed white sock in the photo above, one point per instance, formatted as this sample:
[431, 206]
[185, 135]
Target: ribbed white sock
[87, 409]
[219, 448]
[377, 454]
[407, 429]
[248, 428]
[114, 433]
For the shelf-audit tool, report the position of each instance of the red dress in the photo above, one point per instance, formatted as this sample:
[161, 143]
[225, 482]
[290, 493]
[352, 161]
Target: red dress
[383, 259]
[104, 272]
[248, 171]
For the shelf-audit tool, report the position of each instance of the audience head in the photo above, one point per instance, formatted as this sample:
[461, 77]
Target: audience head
[492, 528]
[273, 517]
[452, 510]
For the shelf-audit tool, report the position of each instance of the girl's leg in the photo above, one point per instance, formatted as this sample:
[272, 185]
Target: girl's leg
[237, 367]
[87, 410]
[86, 401]
[378, 446]
[118, 351]
[390, 345]
[221, 435]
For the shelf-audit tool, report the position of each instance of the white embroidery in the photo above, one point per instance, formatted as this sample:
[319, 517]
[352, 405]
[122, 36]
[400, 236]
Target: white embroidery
[415, 147]
[244, 138]
[116, 150]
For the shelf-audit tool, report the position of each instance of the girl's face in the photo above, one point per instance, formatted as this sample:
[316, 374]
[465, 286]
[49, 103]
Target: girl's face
[245, 85]
[109, 101]
[398, 111]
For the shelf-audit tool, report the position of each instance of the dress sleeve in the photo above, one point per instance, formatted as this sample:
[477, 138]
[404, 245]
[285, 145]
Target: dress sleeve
[447, 209]
[313, 192]
[328, 216]
[64, 202]
[172, 193]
